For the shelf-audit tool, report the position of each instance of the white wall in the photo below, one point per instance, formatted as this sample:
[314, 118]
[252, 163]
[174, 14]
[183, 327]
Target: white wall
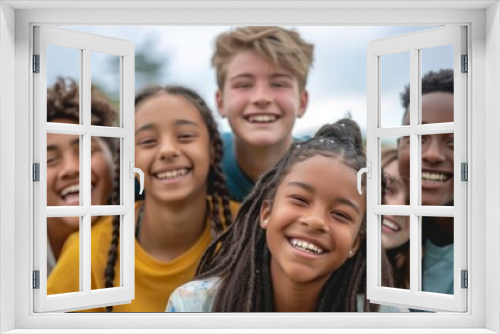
[492, 160]
[7, 162]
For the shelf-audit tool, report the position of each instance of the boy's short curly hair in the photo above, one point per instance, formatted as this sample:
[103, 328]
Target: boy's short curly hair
[440, 81]
[277, 45]
[63, 102]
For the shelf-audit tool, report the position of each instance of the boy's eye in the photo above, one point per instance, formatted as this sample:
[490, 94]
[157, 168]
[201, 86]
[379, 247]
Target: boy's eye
[52, 160]
[242, 84]
[280, 84]
[450, 142]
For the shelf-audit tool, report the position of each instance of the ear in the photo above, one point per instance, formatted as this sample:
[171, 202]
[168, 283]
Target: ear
[355, 246]
[304, 99]
[265, 213]
[220, 103]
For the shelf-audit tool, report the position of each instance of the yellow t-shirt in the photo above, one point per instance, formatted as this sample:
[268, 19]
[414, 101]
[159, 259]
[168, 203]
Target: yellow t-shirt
[154, 280]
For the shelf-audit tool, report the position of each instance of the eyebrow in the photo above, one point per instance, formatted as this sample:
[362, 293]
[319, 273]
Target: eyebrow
[56, 147]
[151, 126]
[310, 189]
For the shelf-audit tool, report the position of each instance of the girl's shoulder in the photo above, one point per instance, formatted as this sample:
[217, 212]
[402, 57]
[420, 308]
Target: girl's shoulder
[194, 296]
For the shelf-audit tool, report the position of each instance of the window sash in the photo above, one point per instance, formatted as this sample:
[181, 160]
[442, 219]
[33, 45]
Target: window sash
[413, 43]
[87, 43]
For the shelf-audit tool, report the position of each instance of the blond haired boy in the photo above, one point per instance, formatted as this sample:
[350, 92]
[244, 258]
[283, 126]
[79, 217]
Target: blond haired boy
[261, 76]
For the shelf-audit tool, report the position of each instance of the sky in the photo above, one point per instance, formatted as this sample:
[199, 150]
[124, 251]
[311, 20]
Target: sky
[336, 82]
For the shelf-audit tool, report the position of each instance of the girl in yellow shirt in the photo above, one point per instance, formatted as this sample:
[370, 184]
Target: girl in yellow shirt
[179, 149]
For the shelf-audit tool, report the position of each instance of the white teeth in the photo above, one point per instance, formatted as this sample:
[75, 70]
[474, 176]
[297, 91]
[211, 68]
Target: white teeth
[435, 177]
[70, 190]
[391, 225]
[306, 246]
[262, 118]
[172, 174]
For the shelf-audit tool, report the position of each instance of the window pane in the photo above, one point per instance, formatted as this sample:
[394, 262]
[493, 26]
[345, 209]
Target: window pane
[63, 170]
[437, 169]
[105, 89]
[437, 250]
[394, 78]
[63, 79]
[395, 162]
[65, 278]
[437, 84]
[396, 243]
[105, 250]
[105, 170]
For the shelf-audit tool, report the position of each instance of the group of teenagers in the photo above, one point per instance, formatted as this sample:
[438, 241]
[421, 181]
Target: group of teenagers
[249, 221]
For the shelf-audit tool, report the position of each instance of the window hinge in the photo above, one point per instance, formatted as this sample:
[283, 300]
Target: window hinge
[36, 172]
[465, 64]
[36, 63]
[465, 279]
[464, 171]
[36, 279]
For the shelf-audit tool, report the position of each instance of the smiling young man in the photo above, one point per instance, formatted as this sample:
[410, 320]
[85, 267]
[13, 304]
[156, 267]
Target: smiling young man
[261, 75]
[437, 178]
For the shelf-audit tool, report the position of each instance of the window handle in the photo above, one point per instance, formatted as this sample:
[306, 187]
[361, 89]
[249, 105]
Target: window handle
[368, 171]
[134, 170]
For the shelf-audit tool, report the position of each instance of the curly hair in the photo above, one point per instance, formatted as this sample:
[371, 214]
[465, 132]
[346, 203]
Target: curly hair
[277, 45]
[218, 196]
[440, 81]
[240, 256]
[63, 102]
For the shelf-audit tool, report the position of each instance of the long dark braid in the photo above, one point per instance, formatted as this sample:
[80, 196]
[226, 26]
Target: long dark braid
[217, 191]
[240, 258]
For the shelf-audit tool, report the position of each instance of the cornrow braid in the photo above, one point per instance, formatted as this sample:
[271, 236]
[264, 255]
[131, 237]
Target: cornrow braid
[240, 256]
[217, 190]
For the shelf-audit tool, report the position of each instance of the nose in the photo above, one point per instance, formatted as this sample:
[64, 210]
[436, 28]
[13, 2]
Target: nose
[168, 149]
[262, 98]
[315, 222]
[432, 152]
[71, 167]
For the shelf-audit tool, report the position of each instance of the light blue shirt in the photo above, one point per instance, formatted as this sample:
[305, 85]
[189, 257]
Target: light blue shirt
[199, 295]
[437, 268]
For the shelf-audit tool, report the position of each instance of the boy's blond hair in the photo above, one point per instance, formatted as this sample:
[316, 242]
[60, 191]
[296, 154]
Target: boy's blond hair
[277, 45]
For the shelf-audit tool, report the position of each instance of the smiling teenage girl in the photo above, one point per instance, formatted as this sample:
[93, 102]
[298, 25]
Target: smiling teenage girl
[396, 229]
[299, 241]
[177, 147]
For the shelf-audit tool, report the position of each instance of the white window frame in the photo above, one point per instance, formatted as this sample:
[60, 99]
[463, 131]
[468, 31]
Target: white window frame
[16, 21]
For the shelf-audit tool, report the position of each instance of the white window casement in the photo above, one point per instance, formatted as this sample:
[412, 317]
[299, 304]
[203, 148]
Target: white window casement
[479, 306]
[415, 46]
[85, 44]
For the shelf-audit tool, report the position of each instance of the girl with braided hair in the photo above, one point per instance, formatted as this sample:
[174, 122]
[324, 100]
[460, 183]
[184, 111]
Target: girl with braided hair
[298, 243]
[178, 147]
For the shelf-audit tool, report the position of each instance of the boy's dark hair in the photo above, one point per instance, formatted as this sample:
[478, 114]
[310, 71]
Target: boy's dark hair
[440, 81]
[217, 190]
[240, 256]
[63, 102]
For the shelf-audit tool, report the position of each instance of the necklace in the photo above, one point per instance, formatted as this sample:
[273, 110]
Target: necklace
[140, 217]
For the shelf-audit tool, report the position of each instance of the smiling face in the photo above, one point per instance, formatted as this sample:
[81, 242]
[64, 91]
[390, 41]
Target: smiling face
[313, 222]
[260, 101]
[172, 147]
[437, 152]
[395, 229]
[63, 172]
